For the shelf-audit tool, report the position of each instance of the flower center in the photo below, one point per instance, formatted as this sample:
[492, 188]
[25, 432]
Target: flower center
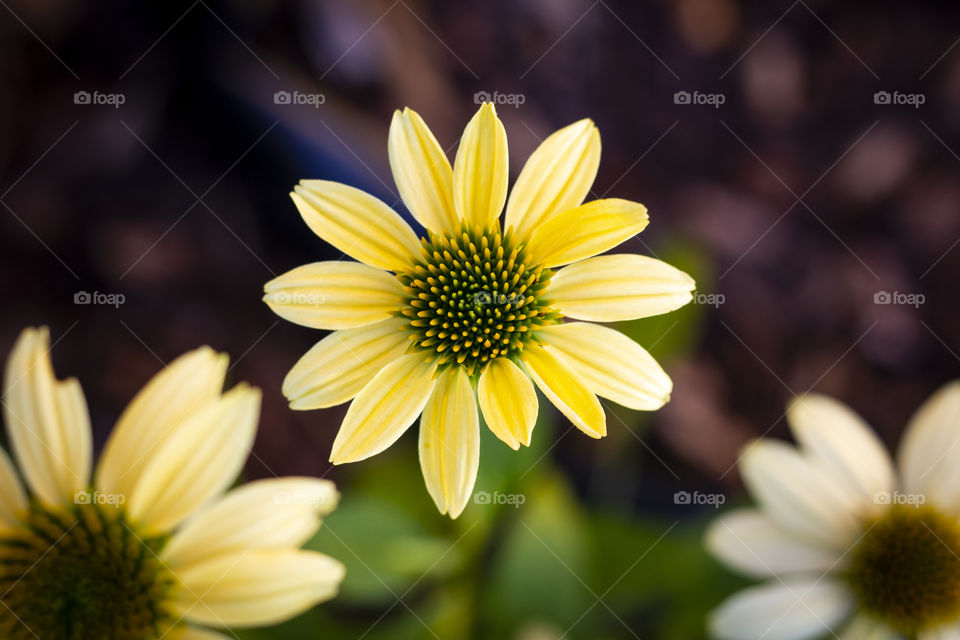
[474, 297]
[906, 570]
[82, 574]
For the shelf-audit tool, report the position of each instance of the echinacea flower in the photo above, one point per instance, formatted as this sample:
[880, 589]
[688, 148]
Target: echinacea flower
[851, 546]
[153, 547]
[469, 313]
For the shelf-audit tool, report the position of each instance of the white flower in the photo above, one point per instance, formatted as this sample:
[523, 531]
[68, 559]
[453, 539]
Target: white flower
[850, 545]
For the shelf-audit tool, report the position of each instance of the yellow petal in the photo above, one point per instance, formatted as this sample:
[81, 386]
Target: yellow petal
[618, 287]
[184, 632]
[340, 365]
[266, 514]
[357, 223]
[334, 295]
[13, 499]
[565, 389]
[196, 463]
[47, 421]
[422, 172]
[612, 365]
[556, 177]
[256, 588]
[508, 401]
[480, 169]
[450, 442]
[586, 231]
[384, 409]
[191, 381]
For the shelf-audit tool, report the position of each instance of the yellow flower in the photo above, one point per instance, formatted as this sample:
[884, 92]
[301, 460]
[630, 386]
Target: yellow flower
[153, 547]
[469, 313]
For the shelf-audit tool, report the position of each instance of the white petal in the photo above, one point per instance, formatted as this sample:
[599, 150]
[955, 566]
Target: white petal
[930, 447]
[47, 421]
[188, 383]
[384, 409]
[845, 445]
[272, 513]
[863, 627]
[749, 542]
[343, 363]
[256, 588]
[800, 495]
[197, 462]
[450, 442]
[795, 609]
[612, 365]
[13, 499]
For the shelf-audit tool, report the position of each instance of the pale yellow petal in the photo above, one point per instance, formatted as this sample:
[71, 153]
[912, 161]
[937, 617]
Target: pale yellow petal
[556, 177]
[422, 172]
[480, 170]
[384, 409]
[613, 366]
[196, 463]
[586, 231]
[256, 588]
[334, 295]
[508, 401]
[450, 442]
[190, 382]
[619, 287]
[565, 389]
[47, 421]
[930, 447]
[265, 514]
[343, 363]
[357, 224]
[13, 499]
[184, 632]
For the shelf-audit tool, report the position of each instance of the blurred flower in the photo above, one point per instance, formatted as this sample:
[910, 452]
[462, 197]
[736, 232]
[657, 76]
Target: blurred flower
[851, 546]
[469, 313]
[153, 547]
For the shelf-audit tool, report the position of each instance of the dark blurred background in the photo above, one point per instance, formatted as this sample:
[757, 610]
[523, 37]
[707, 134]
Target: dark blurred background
[800, 160]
